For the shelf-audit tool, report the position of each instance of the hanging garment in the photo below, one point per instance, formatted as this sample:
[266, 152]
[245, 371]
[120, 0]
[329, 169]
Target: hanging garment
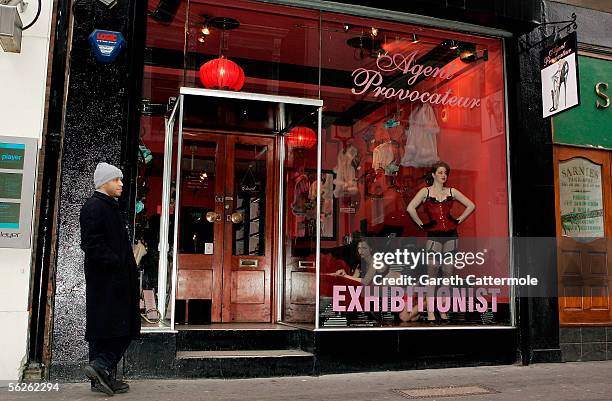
[378, 211]
[139, 251]
[421, 144]
[300, 195]
[327, 188]
[346, 180]
[383, 156]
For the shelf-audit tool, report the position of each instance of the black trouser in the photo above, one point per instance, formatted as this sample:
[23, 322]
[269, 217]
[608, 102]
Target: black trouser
[107, 352]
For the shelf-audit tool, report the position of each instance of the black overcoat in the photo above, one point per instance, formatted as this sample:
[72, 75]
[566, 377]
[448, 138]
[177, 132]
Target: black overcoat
[111, 275]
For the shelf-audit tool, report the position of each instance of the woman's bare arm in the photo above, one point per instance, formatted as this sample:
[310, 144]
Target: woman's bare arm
[465, 201]
[414, 203]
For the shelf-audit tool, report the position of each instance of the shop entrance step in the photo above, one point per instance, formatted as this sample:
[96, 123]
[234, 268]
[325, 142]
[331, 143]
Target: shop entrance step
[267, 353]
[243, 350]
[243, 363]
[228, 338]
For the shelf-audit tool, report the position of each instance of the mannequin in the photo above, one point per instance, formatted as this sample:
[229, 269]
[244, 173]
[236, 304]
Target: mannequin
[441, 228]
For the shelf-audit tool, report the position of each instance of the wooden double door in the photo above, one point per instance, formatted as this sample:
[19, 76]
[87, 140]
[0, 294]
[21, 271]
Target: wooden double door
[583, 186]
[226, 232]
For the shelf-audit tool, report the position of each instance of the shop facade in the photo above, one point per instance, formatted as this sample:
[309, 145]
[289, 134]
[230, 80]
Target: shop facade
[251, 204]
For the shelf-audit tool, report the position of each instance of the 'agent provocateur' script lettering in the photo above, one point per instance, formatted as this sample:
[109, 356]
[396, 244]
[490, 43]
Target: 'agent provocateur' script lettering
[366, 81]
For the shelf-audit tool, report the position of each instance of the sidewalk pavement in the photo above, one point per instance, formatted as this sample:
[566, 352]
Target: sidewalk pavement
[582, 381]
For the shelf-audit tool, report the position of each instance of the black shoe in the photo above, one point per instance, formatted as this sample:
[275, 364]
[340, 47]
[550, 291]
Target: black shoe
[118, 386]
[100, 378]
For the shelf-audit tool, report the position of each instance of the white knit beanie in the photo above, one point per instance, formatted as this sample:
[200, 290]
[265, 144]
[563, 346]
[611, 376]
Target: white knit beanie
[104, 173]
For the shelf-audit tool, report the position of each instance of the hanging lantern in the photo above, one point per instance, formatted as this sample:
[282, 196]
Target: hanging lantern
[301, 137]
[222, 73]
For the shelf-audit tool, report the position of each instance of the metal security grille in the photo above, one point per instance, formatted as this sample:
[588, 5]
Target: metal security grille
[448, 391]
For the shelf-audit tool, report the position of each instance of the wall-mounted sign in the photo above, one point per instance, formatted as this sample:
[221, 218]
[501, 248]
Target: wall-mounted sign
[559, 72]
[581, 199]
[17, 175]
[106, 45]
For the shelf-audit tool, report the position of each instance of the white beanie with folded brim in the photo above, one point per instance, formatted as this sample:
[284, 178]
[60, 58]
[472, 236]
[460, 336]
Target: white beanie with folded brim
[104, 173]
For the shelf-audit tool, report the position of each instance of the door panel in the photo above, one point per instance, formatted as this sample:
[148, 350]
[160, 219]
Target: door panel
[226, 225]
[583, 263]
[200, 241]
[248, 261]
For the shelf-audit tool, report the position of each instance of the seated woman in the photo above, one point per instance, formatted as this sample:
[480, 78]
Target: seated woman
[365, 252]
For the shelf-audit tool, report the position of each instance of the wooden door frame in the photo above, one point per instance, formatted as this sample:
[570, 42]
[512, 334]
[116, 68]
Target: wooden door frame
[196, 134]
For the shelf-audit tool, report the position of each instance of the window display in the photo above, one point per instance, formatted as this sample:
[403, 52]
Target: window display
[398, 101]
[414, 97]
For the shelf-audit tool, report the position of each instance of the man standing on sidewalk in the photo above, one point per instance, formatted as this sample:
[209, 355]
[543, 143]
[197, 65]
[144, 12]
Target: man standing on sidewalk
[112, 292]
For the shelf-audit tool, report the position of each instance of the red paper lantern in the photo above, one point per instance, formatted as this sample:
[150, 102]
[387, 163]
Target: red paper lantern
[301, 137]
[222, 73]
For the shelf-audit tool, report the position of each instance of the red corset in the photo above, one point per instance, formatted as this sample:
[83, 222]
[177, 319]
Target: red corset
[439, 211]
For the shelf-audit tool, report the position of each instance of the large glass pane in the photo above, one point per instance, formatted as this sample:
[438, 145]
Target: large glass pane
[399, 98]
[300, 219]
[277, 47]
[162, 78]
[154, 205]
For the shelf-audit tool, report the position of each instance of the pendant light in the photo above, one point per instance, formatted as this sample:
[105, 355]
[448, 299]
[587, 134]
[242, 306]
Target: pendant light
[222, 73]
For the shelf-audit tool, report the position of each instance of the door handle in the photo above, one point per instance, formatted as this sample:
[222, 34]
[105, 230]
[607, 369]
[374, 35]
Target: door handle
[236, 217]
[211, 217]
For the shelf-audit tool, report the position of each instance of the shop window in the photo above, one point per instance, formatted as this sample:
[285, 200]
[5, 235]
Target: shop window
[399, 98]
[163, 75]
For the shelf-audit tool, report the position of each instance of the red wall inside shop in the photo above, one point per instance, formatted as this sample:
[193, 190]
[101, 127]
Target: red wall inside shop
[471, 141]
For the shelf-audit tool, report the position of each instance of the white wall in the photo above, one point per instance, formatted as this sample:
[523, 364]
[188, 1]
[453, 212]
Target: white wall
[23, 78]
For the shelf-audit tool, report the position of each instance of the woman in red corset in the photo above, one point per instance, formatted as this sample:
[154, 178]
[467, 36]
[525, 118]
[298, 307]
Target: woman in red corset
[438, 200]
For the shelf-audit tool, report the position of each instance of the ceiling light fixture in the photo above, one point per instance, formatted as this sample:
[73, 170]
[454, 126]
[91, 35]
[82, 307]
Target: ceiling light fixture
[453, 45]
[415, 38]
[374, 32]
[381, 52]
[205, 30]
[224, 23]
[365, 45]
[346, 27]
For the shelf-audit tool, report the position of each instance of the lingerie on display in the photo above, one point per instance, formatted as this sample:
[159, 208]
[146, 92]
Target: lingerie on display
[421, 148]
[346, 175]
[301, 193]
[384, 157]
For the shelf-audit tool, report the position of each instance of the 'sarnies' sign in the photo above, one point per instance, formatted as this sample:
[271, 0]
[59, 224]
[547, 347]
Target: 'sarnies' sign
[581, 198]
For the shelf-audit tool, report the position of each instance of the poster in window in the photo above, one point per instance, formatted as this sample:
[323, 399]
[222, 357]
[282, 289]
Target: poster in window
[581, 199]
